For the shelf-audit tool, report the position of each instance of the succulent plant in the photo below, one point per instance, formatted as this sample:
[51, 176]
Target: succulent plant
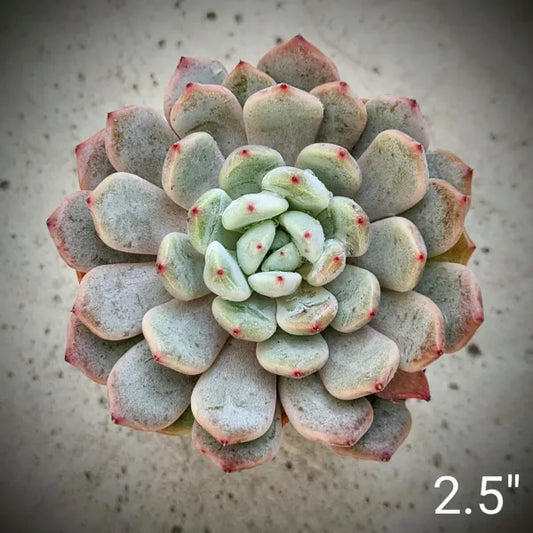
[274, 249]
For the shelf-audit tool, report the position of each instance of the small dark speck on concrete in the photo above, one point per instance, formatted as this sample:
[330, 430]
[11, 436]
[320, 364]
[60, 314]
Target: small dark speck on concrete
[10, 374]
[444, 424]
[437, 460]
[81, 76]
[453, 386]
[176, 529]
[135, 87]
[279, 40]
[161, 43]
[377, 70]
[88, 475]
[288, 465]
[485, 249]
[177, 3]
[5, 184]
[508, 457]
[238, 18]
[211, 15]
[46, 331]
[473, 350]
[492, 136]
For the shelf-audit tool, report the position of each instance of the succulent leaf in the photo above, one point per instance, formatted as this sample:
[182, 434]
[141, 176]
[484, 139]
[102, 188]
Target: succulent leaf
[328, 266]
[460, 252]
[444, 165]
[235, 399]
[182, 426]
[184, 336]
[92, 162]
[306, 233]
[245, 80]
[254, 244]
[287, 259]
[145, 395]
[405, 385]
[319, 416]
[280, 239]
[275, 283]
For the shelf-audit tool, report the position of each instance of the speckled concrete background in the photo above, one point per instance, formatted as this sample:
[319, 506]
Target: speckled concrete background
[65, 467]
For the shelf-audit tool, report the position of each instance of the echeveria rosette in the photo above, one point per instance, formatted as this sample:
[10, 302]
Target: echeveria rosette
[272, 249]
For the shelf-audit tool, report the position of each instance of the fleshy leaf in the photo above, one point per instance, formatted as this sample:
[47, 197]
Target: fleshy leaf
[244, 169]
[191, 168]
[395, 175]
[392, 113]
[298, 63]
[306, 233]
[180, 267]
[280, 239]
[145, 395]
[235, 399]
[359, 363]
[254, 244]
[112, 299]
[192, 69]
[137, 139]
[252, 320]
[328, 266]
[318, 416]
[405, 385]
[245, 80]
[93, 356]
[415, 324]
[334, 166]
[396, 255]
[213, 109]
[307, 311]
[287, 259]
[344, 114]
[275, 283]
[184, 336]
[235, 457]
[439, 216]
[92, 161]
[284, 118]
[390, 427]
[292, 356]
[133, 215]
[460, 252]
[357, 293]
[455, 290]
[182, 426]
[345, 221]
[251, 208]
[223, 276]
[447, 166]
[301, 188]
[72, 230]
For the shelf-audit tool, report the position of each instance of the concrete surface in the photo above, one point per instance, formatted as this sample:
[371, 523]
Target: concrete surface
[65, 467]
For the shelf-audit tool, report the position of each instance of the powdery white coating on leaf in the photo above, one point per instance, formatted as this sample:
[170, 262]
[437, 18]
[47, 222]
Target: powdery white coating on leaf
[345, 221]
[460, 252]
[439, 216]
[287, 259]
[390, 427]
[415, 324]
[252, 320]
[275, 283]
[392, 113]
[254, 244]
[213, 109]
[396, 254]
[223, 276]
[180, 267]
[444, 165]
[245, 80]
[133, 215]
[307, 311]
[334, 166]
[344, 114]
[306, 233]
[252, 208]
[184, 336]
[137, 139]
[235, 457]
[359, 363]
[292, 356]
[191, 168]
[72, 230]
[235, 399]
[205, 221]
[145, 395]
[301, 188]
[455, 290]
[93, 356]
[357, 292]
[112, 299]
[284, 118]
[328, 266]
[244, 169]
[298, 63]
[92, 162]
[191, 69]
[318, 416]
[395, 175]
[182, 426]
[405, 385]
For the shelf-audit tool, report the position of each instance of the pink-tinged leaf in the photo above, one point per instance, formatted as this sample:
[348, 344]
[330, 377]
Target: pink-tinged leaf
[245, 80]
[405, 385]
[298, 63]
[92, 161]
[447, 166]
